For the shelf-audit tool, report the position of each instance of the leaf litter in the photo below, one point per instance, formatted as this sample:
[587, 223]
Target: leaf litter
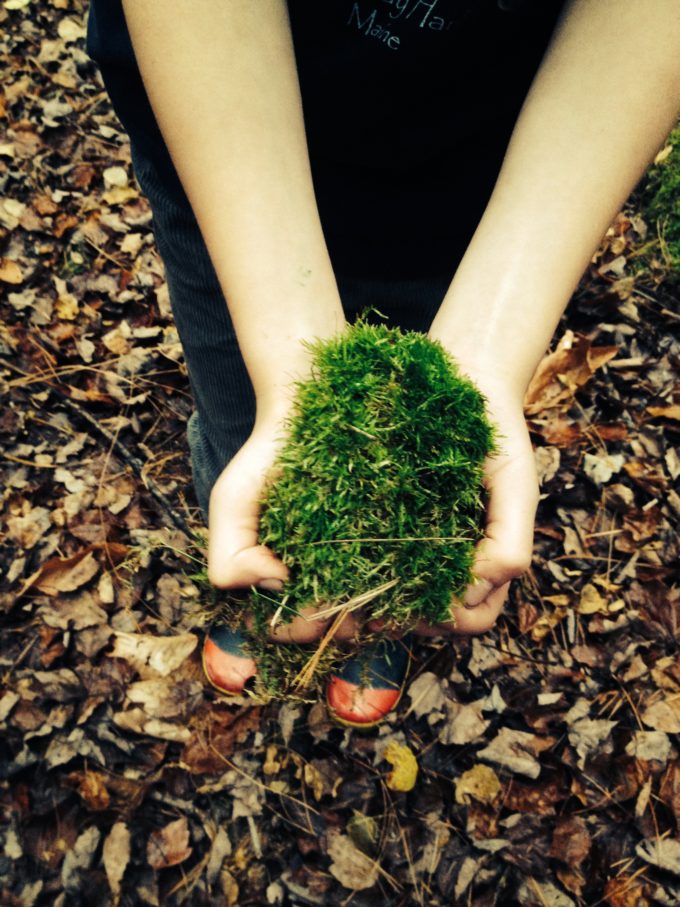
[537, 764]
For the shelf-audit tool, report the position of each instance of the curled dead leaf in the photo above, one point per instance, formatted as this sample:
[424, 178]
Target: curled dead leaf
[162, 654]
[405, 767]
[561, 372]
[66, 574]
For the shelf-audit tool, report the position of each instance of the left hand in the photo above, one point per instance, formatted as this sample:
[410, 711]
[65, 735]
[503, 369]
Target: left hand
[512, 486]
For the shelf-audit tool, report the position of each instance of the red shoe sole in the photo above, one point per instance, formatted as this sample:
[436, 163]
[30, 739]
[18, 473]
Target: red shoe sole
[231, 683]
[346, 693]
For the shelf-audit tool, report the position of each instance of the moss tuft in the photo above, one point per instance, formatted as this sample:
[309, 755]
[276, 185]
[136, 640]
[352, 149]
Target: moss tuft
[378, 489]
[662, 200]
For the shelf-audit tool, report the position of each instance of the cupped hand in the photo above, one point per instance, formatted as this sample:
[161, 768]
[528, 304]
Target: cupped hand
[512, 487]
[236, 559]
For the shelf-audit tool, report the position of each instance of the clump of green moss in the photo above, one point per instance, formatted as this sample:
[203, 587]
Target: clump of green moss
[378, 489]
[662, 200]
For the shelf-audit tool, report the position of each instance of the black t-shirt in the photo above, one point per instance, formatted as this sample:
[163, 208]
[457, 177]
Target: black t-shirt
[409, 106]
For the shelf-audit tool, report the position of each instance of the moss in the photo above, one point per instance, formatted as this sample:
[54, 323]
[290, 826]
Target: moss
[379, 484]
[376, 498]
[661, 201]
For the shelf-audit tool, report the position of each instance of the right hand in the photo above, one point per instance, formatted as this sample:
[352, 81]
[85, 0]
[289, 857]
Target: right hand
[236, 559]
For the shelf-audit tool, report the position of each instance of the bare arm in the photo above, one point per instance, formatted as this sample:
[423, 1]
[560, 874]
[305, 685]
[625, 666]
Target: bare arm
[222, 81]
[604, 99]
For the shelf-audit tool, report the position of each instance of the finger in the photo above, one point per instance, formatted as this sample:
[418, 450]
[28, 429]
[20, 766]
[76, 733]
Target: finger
[309, 627]
[305, 627]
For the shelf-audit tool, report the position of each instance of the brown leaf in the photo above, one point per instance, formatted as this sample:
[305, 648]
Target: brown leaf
[669, 791]
[558, 432]
[539, 799]
[66, 574]
[162, 654]
[77, 612]
[92, 788]
[138, 722]
[28, 526]
[627, 891]
[571, 841]
[63, 223]
[43, 204]
[215, 735]
[170, 845]
[666, 412]
[664, 715]
[166, 697]
[516, 750]
[10, 272]
[562, 372]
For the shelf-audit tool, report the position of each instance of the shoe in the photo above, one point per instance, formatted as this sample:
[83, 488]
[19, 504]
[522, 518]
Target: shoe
[370, 684]
[226, 664]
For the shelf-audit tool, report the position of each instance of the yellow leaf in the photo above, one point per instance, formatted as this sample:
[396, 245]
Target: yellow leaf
[10, 272]
[591, 601]
[480, 782]
[67, 307]
[118, 195]
[405, 771]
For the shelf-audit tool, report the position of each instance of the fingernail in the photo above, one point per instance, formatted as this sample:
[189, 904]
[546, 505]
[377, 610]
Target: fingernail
[271, 585]
[476, 593]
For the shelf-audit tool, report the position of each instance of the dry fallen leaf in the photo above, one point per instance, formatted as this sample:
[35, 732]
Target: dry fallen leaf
[664, 715]
[427, 694]
[591, 601]
[560, 373]
[66, 574]
[664, 853]
[571, 841]
[162, 654]
[116, 856]
[405, 771]
[352, 868]
[27, 528]
[479, 783]
[138, 722]
[10, 272]
[170, 845]
[600, 469]
[672, 411]
[516, 751]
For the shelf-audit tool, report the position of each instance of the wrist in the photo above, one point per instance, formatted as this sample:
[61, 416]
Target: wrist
[288, 362]
[487, 364]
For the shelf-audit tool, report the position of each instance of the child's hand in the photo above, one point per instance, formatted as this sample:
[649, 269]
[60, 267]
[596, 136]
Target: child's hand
[505, 552]
[235, 558]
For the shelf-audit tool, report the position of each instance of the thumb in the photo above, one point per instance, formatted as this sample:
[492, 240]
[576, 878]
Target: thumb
[505, 552]
[235, 559]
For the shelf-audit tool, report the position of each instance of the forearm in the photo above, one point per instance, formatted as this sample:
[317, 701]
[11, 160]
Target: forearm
[604, 99]
[222, 81]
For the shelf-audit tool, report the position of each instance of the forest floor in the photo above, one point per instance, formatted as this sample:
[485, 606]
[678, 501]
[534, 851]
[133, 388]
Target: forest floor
[547, 756]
